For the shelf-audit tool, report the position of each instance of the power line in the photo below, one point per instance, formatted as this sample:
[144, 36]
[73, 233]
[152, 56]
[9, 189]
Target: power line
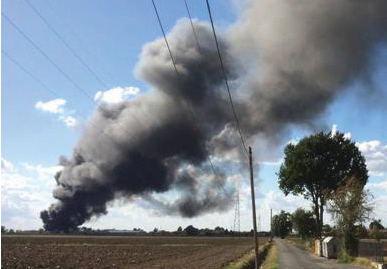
[61, 71]
[200, 51]
[73, 52]
[165, 39]
[193, 28]
[44, 86]
[225, 79]
[76, 36]
[178, 77]
[45, 55]
[29, 73]
[66, 44]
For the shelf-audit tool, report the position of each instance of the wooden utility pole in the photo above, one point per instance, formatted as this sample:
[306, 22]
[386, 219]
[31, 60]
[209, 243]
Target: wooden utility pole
[253, 202]
[271, 224]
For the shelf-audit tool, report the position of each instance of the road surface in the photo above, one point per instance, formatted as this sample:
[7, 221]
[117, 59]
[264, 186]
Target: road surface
[291, 257]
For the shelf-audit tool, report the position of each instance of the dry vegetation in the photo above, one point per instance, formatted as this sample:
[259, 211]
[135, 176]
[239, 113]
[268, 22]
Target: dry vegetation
[121, 252]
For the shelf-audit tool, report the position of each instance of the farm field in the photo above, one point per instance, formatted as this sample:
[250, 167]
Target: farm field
[62, 251]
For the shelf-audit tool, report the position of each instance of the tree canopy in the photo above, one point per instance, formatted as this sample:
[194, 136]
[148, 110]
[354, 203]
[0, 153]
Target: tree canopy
[191, 230]
[304, 223]
[282, 224]
[317, 165]
[350, 205]
[376, 223]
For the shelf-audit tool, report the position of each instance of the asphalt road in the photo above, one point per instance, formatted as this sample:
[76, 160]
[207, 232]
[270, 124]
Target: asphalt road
[291, 257]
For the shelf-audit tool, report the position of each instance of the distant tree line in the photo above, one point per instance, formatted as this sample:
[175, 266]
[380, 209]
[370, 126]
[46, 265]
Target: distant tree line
[190, 230]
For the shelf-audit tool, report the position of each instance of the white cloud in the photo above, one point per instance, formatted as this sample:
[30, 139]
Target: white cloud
[293, 141]
[278, 201]
[117, 94]
[43, 172]
[54, 106]
[57, 106]
[378, 185]
[334, 130]
[271, 163]
[380, 199]
[375, 154]
[68, 120]
[347, 135]
[6, 165]
[24, 195]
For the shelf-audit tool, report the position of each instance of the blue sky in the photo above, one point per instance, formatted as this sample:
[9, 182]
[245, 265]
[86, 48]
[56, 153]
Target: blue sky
[37, 128]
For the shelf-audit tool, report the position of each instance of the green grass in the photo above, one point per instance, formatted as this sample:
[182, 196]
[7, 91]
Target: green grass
[248, 260]
[344, 257]
[272, 260]
[300, 243]
[243, 262]
[362, 261]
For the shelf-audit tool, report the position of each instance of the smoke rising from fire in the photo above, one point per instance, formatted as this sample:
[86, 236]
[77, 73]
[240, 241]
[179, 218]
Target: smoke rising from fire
[286, 62]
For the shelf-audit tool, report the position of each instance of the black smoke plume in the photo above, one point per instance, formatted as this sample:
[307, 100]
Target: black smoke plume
[286, 61]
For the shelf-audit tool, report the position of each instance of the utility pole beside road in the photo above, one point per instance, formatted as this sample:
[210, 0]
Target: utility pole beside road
[256, 244]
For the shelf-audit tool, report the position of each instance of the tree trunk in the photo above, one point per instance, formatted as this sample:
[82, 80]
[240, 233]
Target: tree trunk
[321, 221]
[316, 213]
[321, 214]
[318, 222]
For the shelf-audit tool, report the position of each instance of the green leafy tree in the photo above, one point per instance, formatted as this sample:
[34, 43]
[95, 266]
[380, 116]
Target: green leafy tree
[191, 230]
[317, 165]
[376, 223]
[375, 227]
[304, 223]
[282, 224]
[327, 229]
[350, 205]
[361, 231]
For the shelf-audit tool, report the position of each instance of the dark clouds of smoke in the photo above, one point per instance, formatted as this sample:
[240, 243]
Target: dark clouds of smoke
[201, 192]
[137, 147]
[286, 60]
[301, 55]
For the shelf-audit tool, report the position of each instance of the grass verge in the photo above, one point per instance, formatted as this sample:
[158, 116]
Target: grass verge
[272, 260]
[300, 243]
[248, 260]
[362, 261]
[344, 257]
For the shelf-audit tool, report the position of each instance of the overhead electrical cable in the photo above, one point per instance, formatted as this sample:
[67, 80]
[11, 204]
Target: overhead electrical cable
[29, 73]
[193, 28]
[72, 51]
[166, 40]
[66, 44]
[80, 41]
[60, 70]
[179, 79]
[200, 52]
[48, 89]
[226, 81]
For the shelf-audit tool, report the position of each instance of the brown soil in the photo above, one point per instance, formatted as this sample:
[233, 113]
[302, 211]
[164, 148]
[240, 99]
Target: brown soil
[45, 251]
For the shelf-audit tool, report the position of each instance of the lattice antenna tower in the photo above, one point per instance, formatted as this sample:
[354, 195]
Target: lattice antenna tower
[237, 216]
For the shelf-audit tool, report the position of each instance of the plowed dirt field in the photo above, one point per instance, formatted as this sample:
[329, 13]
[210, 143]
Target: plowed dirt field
[49, 251]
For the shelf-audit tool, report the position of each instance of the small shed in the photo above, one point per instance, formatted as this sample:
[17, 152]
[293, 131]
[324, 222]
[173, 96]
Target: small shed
[317, 247]
[330, 247]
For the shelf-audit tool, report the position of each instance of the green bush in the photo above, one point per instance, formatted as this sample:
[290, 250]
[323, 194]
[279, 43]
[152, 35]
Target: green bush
[344, 257]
